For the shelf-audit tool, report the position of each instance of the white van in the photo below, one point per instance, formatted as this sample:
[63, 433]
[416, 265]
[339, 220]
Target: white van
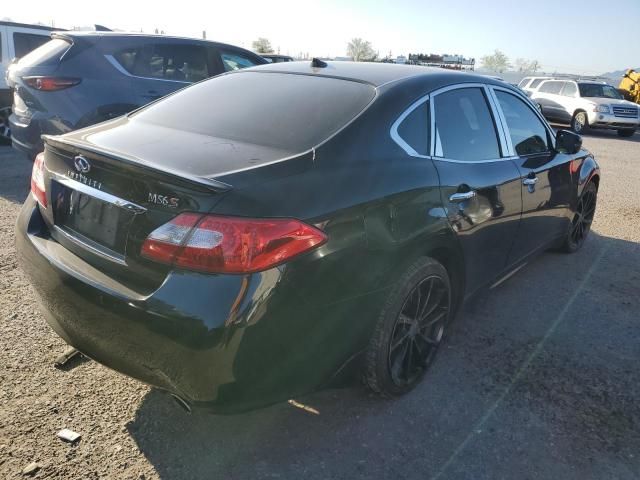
[16, 40]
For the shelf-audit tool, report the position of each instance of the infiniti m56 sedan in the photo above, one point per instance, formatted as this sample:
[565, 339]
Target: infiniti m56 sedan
[275, 230]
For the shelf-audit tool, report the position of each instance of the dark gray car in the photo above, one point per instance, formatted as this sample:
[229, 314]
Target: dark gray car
[78, 79]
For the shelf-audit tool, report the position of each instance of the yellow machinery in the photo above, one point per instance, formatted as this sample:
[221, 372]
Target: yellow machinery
[630, 85]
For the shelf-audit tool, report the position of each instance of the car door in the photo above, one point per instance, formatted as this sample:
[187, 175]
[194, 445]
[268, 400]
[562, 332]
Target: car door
[480, 187]
[546, 179]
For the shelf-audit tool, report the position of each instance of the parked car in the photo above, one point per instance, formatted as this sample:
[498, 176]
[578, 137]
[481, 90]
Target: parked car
[587, 104]
[273, 58]
[82, 78]
[16, 40]
[236, 258]
[530, 84]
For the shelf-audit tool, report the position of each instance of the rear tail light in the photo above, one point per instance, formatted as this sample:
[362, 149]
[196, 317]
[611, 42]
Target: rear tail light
[217, 244]
[37, 180]
[50, 84]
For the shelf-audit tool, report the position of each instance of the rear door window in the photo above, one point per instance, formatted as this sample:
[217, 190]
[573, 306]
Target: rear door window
[24, 43]
[570, 89]
[552, 87]
[235, 60]
[464, 126]
[180, 63]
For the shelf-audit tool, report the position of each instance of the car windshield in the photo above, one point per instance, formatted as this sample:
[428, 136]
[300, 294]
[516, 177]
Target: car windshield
[249, 107]
[598, 90]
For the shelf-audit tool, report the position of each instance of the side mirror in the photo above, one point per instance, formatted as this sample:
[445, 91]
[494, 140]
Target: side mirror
[568, 142]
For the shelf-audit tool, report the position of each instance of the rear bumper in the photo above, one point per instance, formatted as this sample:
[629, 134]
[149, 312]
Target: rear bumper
[26, 135]
[226, 343]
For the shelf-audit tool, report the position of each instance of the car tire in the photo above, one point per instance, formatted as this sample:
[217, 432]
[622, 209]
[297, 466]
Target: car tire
[626, 132]
[5, 132]
[580, 122]
[409, 330]
[581, 223]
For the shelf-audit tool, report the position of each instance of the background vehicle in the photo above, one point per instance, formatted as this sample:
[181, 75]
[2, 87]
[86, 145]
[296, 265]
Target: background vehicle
[273, 58]
[530, 84]
[81, 78]
[587, 104]
[16, 40]
[630, 86]
[236, 259]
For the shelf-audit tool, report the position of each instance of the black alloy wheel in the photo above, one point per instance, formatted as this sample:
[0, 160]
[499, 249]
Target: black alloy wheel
[418, 330]
[582, 219]
[410, 329]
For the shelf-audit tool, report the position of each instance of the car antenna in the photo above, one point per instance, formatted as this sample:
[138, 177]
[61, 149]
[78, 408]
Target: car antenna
[317, 63]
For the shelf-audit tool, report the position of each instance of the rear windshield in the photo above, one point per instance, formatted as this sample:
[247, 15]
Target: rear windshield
[285, 111]
[47, 54]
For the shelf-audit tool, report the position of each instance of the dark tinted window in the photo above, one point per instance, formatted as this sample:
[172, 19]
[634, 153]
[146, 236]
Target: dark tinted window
[551, 87]
[569, 89]
[24, 43]
[599, 90]
[523, 82]
[535, 83]
[414, 129]
[49, 53]
[183, 63]
[528, 133]
[464, 126]
[235, 60]
[288, 112]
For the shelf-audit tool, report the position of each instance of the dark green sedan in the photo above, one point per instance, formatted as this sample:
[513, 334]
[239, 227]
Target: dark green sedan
[276, 230]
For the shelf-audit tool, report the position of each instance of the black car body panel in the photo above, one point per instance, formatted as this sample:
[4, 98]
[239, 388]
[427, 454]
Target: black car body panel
[382, 195]
[116, 74]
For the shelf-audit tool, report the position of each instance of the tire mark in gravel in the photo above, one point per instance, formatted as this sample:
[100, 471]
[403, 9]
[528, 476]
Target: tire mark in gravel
[525, 365]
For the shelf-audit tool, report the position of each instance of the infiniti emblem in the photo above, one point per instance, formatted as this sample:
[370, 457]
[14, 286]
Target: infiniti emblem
[82, 164]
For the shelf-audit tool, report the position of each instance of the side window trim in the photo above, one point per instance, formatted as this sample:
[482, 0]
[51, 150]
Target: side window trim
[394, 128]
[502, 138]
[550, 133]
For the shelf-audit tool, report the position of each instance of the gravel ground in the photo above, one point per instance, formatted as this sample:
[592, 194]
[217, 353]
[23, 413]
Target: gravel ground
[539, 379]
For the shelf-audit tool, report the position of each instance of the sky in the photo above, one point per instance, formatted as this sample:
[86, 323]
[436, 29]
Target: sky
[584, 37]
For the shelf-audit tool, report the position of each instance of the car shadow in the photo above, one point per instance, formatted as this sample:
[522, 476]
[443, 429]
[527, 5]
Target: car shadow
[16, 175]
[549, 354]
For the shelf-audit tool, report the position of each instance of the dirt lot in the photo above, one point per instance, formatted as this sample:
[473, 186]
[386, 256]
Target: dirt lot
[539, 380]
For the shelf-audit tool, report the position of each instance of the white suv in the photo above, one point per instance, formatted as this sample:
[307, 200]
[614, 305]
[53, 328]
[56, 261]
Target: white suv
[530, 84]
[16, 40]
[586, 104]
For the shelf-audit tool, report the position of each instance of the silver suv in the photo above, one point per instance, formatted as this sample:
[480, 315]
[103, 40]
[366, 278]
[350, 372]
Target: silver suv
[586, 104]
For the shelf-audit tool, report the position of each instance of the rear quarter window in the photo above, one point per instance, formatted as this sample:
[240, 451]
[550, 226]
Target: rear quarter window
[49, 53]
[414, 129]
[288, 112]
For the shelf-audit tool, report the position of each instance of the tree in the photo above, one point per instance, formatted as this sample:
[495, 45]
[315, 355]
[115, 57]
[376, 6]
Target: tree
[262, 45]
[527, 66]
[360, 50]
[498, 62]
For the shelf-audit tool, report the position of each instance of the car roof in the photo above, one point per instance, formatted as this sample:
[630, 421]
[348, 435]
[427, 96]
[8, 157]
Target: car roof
[28, 25]
[93, 34]
[376, 74]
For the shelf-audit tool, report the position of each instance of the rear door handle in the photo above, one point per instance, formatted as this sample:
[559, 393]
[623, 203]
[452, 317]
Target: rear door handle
[461, 197]
[530, 181]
